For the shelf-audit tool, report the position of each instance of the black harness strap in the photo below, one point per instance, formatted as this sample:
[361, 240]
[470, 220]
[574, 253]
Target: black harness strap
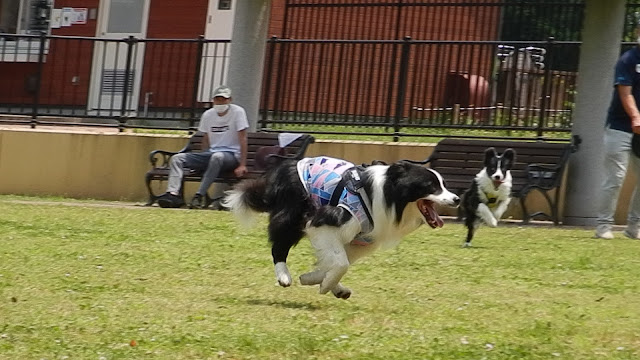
[352, 181]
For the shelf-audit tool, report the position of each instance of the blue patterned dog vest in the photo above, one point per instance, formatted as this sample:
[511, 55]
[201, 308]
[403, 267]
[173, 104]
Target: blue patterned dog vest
[320, 177]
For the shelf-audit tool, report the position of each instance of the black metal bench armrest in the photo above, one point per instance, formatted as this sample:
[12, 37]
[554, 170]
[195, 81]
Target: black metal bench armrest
[165, 156]
[544, 176]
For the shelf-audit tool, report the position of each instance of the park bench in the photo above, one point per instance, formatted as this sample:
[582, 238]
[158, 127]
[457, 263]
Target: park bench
[260, 144]
[539, 165]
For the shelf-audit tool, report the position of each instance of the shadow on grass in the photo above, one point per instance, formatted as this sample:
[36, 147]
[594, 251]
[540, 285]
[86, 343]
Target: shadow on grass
[284, 304]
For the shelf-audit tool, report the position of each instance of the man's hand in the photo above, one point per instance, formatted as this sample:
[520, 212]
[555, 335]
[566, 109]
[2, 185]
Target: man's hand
[635, 125]
[241, 170]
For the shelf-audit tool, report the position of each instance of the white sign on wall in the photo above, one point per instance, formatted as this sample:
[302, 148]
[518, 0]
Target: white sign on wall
[79, 16]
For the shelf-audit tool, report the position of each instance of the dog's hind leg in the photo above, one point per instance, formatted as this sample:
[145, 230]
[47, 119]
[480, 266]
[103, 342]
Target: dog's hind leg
[472, 223]
[283, 236]
[471, 230]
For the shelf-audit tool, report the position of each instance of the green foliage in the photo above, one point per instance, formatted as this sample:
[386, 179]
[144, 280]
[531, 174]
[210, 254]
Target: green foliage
[420, 135]
[91, 280]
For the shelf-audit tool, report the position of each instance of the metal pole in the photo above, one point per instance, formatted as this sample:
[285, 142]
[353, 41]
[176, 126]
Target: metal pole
[125, 90]
[402, 86]
[196, 81]
[36, 96]
[546, 97]
[264, 120]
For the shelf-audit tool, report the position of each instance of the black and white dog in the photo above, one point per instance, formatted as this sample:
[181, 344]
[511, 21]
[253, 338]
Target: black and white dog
[490, 193]
[347, 211]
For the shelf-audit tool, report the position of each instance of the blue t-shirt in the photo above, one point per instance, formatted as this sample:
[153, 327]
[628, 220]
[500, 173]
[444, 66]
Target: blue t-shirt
[627, 72]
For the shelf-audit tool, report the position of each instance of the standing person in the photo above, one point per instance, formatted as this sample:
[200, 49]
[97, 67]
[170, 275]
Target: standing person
[226, 127]
[623, 120]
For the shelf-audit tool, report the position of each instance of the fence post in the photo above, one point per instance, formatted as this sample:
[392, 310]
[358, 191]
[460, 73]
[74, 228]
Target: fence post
[196, 81]
[36, 96]
[546, 97]
[264, 120]
[125, 90]
[402, 86]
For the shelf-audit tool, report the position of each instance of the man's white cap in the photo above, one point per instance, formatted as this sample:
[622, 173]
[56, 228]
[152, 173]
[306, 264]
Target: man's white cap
[223, 91]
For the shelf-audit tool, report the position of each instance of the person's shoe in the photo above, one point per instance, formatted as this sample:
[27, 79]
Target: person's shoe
[632, 232]
[603, 232]
[169, 200]
[198, 202]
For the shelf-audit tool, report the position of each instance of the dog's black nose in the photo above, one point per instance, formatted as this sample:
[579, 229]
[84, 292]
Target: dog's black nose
[456, 201]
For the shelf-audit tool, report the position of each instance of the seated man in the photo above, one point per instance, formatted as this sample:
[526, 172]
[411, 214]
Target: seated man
[226, 126]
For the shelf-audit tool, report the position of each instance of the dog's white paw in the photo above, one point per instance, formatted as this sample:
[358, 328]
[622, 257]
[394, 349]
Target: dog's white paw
[466, 244]
[341, 292]
[282, 274]
[492, 223]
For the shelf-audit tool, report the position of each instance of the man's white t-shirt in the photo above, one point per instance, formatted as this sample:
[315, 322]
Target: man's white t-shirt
[223, 130]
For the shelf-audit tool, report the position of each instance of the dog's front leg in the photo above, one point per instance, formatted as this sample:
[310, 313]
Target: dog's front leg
[331, 255]
[313, 277]
[316, 277]
[486, 215]
[500, 209]
[337, 270]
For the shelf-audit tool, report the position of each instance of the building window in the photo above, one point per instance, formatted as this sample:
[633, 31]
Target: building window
[224, 4]
[25, 16]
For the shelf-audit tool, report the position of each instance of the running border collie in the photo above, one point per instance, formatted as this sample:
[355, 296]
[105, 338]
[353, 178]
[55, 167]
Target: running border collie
[490, 193]
[346, 211]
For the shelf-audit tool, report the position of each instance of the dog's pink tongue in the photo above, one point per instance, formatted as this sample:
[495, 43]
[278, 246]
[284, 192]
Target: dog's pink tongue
[497, 183]
[436, 221]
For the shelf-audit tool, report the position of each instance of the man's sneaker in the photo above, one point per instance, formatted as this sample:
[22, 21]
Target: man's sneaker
[632, 232]
[603, 232]
[199, 202]
[169, 200]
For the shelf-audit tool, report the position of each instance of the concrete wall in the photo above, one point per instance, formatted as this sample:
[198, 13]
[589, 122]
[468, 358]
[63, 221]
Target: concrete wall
[111, 166]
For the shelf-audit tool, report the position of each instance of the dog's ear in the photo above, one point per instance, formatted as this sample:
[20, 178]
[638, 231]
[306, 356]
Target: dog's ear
[509, 158]
[489, 154]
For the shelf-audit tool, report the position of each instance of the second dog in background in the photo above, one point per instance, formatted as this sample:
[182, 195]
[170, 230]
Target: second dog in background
[490, 193]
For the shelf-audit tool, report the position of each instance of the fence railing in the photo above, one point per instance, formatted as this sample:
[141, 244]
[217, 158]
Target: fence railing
[109, 82]
[398, 88]
[407, 87]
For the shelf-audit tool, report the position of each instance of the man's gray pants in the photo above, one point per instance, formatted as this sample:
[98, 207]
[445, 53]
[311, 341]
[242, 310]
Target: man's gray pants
[617, 156]
[213, 162]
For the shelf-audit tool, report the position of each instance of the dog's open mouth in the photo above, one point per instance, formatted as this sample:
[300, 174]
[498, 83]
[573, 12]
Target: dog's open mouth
[497, 183]
[429, 213]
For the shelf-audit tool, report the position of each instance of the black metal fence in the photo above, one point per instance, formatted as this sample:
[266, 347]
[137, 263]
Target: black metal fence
[124, 83]
[409, 88]
[398, 88]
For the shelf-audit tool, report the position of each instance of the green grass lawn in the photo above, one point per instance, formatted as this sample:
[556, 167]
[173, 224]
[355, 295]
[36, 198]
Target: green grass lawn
[84, 281]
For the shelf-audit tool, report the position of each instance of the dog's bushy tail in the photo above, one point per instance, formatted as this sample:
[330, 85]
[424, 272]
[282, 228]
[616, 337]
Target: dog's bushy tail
[247, 200]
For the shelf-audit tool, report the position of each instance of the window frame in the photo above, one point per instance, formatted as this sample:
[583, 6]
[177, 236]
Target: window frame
[23, 47]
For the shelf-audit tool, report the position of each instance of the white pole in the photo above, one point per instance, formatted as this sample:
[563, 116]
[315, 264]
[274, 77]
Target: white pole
[601, 35]
[246, 58]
